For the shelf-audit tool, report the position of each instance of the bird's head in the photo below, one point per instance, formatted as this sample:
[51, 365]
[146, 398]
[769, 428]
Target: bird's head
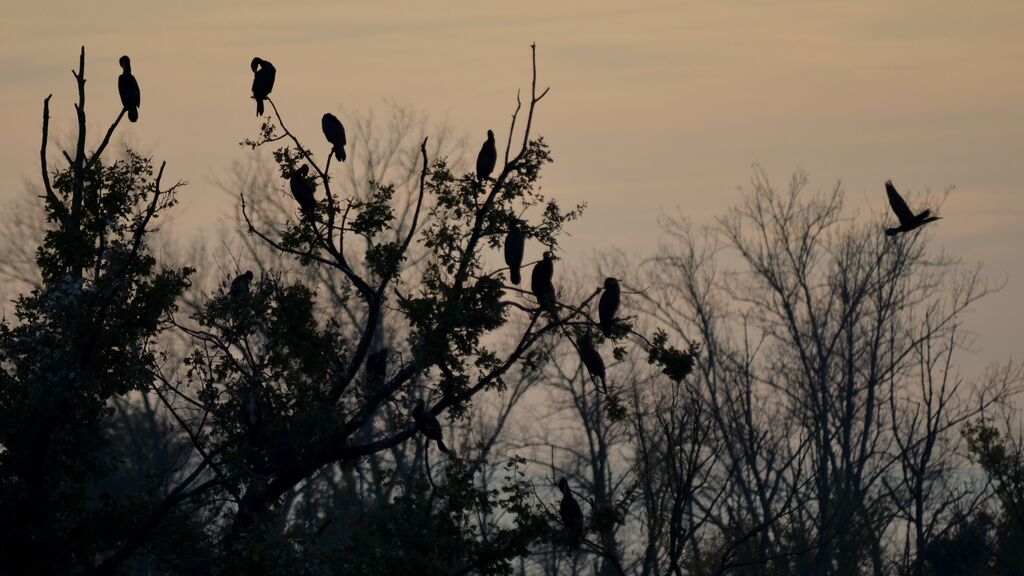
[563, 485]
[490, 134]
[256, 63]
[248, 275]
[419, 408]
[125, 62]
[303, 170]
[610, 283]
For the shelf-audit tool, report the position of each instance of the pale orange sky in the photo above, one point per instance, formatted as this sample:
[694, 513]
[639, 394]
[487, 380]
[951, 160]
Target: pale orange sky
[654, 105]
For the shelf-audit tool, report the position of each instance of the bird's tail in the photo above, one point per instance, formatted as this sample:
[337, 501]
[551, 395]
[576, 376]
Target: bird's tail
[339, 154]
[606, 329]
[893, 231]
[133, 114]
[259, 106]
[440, 444]
[514, 276]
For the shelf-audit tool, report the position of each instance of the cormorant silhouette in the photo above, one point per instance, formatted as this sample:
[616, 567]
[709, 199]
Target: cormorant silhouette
[591, 358]
[608, 306]
[262, 82]
[515, 243]
[572, 515]
[303, 191]
[240, 286]
[908, 220]
[128, 88]
[335, 133]
[541, 282]
[427, 424]
[487, 158]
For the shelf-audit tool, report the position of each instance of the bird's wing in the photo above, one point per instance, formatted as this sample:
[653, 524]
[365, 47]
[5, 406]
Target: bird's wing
[898, 205]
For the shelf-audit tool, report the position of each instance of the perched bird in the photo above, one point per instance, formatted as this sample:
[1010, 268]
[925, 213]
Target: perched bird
[541, 282]
[608, 306]
[334, 130]
[572, 515]
[427, 424]
[377, 368]
[515, 243]
[908, 220]
[240, 286]
[591, 358]
[303, 191]
[262, 82]
[128, 88]
[487, 158]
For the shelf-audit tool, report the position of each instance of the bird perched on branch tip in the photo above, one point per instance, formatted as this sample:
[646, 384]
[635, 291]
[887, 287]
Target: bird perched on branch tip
[334, 131]
[264, 75]
[128, 89]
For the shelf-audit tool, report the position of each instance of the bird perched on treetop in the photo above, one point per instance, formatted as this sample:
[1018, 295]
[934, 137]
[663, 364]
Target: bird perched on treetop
[908, 220]
[128, 88]
[487, 158]
[541, 282]
[303, 191]
[591, 358]
[428, 425]
[515, 244]
[334, 130]
[240, 286]
[262, 82]
[572, 515]
[608, 306]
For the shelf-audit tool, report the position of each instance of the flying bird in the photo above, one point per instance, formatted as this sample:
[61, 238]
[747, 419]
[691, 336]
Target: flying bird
[128, 88]
[262, 82]
[608, 306]
[334, 130]
[487, 158]
[541, 282]
[515, 243]
[908, 220]
[240, 286]
[303, 191]
[428, 425]
[591, 358]
[572, 515]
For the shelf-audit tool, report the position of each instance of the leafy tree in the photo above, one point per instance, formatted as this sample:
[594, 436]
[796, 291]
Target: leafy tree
[274, 399]
[84, 335]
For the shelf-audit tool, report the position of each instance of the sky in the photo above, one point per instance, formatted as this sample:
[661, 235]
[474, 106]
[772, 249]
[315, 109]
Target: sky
[654, 106]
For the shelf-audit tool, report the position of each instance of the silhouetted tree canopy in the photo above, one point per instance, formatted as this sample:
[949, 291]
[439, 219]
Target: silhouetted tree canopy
[269, 424]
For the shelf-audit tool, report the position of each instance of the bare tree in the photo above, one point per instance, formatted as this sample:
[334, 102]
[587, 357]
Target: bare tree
[818, 333]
